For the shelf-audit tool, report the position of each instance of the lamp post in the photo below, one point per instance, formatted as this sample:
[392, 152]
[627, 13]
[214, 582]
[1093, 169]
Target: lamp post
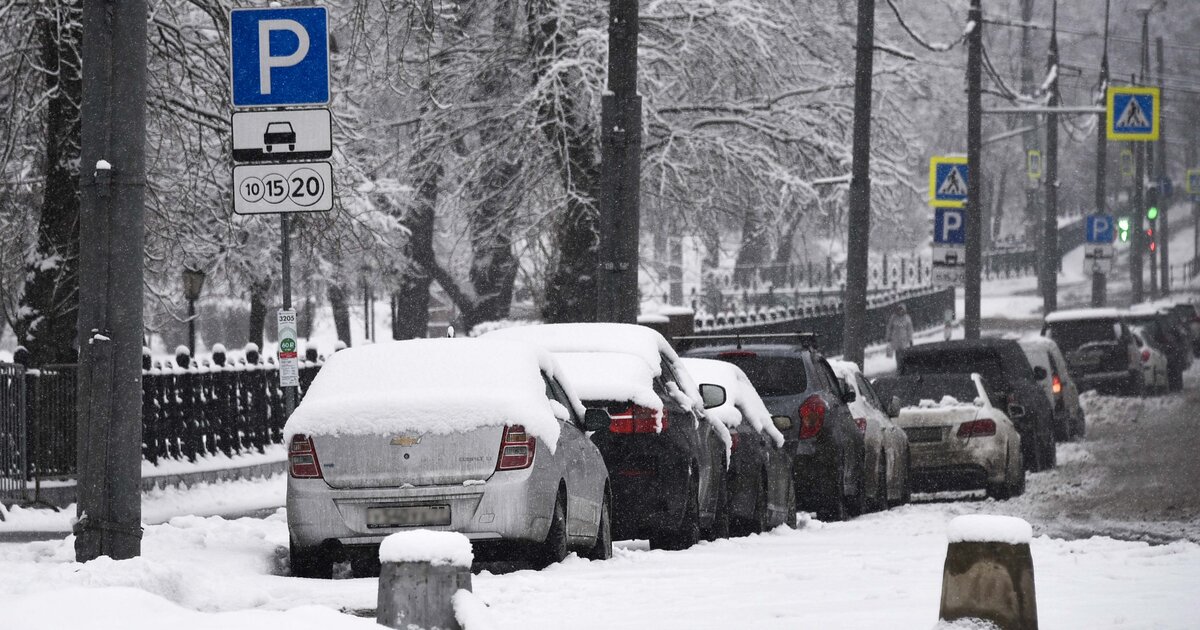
[193, 283]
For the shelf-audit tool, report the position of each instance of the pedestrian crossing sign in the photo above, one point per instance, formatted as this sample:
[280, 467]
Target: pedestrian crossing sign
[1193, 181]
[1134, 113]
[948, 181]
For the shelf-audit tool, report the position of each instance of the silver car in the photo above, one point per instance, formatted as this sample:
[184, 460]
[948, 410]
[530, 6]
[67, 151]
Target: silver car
[481, 437]
[887, 458]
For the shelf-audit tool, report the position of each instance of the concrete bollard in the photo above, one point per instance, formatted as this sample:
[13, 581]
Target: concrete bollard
[421, 572]
[989, 572]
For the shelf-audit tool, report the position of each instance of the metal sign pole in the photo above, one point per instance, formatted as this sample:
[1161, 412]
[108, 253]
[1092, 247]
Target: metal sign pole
[285, 254]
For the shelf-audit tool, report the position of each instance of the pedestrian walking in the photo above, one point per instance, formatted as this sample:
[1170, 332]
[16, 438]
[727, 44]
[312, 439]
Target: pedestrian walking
[899, 330]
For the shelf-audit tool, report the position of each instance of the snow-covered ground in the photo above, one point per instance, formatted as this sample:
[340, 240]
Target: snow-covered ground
[881, 570]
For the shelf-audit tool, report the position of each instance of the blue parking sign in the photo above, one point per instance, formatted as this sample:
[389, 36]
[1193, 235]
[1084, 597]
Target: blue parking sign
[279, 56]
[1100, 228]
[950, 226]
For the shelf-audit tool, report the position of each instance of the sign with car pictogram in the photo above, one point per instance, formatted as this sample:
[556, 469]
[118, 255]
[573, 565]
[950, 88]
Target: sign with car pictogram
[287, 135]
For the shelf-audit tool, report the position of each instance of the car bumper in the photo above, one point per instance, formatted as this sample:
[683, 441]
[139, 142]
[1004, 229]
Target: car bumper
[510, 506]
[958, 463]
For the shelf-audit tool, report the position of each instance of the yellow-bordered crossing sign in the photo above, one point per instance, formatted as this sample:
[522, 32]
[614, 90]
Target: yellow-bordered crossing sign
[948, 178]
[1134, 113]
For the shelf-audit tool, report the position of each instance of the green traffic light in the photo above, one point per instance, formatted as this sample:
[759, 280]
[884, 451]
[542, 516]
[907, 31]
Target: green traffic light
[1123, 224]
[1152, 213]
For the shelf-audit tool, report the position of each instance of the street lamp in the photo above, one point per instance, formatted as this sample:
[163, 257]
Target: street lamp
[193, 283]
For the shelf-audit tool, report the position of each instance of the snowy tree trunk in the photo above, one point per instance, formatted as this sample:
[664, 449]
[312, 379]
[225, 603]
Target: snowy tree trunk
[259, 292]
[50, 303]
[752, 252]
[341, 311]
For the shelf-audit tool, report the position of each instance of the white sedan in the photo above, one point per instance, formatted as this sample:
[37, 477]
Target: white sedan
[887, 458]
[1154, 363]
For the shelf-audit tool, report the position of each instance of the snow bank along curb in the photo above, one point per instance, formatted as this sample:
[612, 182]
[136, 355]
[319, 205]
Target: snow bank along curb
[989, 572]
[425, 582]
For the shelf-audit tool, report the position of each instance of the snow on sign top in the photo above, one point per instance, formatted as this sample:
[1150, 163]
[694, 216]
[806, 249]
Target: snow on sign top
[436, 385]
[741, 399]
[422, 545]
[989, 528]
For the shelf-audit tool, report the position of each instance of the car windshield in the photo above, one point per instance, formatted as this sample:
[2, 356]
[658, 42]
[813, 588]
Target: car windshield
[1070, 335]
[956, 361]
[771, 376]
[911, 390]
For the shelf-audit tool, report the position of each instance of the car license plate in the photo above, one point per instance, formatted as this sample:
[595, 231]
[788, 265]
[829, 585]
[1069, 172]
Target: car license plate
[408, 516]
[924, 434]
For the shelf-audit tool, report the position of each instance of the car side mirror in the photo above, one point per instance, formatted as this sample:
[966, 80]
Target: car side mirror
[712, 395]
[1039, 373]
[848, 394]
[596, 419]
[1016, 411]
[893, 407]
[783, 423]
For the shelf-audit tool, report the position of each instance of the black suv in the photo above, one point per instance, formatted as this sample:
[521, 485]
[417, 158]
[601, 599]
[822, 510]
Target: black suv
[1003, 364]
[1169, 332]
[1100, 350]
[794, 380]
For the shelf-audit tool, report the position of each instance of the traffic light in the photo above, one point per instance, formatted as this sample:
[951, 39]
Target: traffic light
[1150, 238]
[1152, 213]
[1123, 229]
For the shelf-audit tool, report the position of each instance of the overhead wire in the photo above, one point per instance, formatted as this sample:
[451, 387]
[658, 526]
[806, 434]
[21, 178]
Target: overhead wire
[939, 48]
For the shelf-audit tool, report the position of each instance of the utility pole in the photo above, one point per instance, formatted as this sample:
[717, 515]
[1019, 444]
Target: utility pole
[1137, 235]
[1151, 194]
[859, 229]
[112, 188]
[620, 169]
[1050, 258]
[974, 270]
[1164, 241]
[1031, 139]
[1099, 280]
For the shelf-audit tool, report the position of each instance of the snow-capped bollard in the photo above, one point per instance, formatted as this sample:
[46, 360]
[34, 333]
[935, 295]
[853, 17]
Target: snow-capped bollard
[420, 573]
[989, 572]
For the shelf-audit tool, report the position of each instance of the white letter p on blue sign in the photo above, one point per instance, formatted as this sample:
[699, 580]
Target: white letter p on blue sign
[279, 57]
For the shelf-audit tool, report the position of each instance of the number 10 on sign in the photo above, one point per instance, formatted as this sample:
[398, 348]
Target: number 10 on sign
[276, 188]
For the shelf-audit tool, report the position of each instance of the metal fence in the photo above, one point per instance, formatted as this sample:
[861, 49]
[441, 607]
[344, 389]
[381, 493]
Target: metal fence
[51, 427]
[14, 469]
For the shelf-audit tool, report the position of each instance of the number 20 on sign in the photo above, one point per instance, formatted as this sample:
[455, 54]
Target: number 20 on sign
[275, 188]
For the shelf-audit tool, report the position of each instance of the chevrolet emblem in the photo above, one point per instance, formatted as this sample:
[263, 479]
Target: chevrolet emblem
[406, 440]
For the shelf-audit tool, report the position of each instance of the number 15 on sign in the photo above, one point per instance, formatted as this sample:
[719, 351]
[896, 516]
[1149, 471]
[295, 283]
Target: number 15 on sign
[276, 188]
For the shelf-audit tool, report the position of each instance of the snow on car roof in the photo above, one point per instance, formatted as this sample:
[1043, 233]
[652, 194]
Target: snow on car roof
[1083, 313]
[612, 376]
[439, 386]
[741, 399]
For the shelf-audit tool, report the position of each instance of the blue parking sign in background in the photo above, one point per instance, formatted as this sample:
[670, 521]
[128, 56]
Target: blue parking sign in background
[279, 56]
[1101, 228]
[950, 226]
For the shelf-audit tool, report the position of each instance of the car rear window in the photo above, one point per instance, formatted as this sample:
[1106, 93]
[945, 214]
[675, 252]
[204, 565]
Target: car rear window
[771, 376]
[1069, 335]
[956, 361]
[912, 390]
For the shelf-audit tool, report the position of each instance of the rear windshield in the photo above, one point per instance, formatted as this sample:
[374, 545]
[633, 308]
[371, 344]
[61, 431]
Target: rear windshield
[911, 391]
[771, 376]
[958, 361]
[1069, 335]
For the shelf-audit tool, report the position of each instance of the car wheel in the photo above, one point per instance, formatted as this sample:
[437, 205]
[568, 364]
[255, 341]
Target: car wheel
[364, 563]
[602, 549]
[1051, 459]
[1175, 380]
[832, 502]
[554, 549]
[881, 486]
[762, 509]
[791, 520]
[721, 518]
[856, 504]
[312, 563]
[688, 532]
[906, 487]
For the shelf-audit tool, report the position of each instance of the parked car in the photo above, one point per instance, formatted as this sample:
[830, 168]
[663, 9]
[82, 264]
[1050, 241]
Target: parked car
[960, 440]
[761, 492]
[1154, 363]
[666, 459]
[481, 437]
[1003, 364]
[1188, 314]
[887, 458]
[1164, 328]
[795, 380]
[1099, 348]
[1060, 388]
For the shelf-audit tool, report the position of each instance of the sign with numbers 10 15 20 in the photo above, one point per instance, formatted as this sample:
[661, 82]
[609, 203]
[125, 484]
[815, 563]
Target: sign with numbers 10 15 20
[276, 188]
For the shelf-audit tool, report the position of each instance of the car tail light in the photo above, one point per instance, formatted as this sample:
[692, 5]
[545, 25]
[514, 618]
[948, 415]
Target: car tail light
[977, 428]
[861, 423]
[1145, 356]
[302, 458]
[812, 416]
[1056, 384]
[638, 419]
[733, 441]
[516, 448]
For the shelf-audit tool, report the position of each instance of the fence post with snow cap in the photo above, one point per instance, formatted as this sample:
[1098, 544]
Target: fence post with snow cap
[989, 572]
[424, 577]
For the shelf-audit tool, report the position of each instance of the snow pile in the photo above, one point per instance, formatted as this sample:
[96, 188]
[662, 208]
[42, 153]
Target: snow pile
[989, 528]
[424, 545]
[440, 386]
[471, 612]
[1119, 410]
[741, 399]
[609, 376]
